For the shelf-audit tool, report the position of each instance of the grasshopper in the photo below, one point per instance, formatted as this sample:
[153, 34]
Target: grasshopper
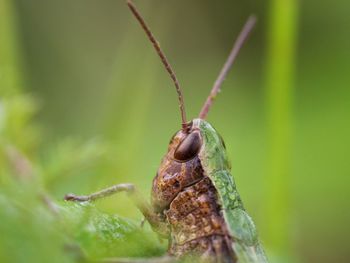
[194, 200]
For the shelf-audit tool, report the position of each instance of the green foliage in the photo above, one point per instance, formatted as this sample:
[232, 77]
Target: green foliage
[279, 92]
[102, 235]
[34, 225]
[39, 228]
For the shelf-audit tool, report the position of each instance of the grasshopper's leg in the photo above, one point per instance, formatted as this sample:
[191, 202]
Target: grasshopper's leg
[129, 188]
[155, 220]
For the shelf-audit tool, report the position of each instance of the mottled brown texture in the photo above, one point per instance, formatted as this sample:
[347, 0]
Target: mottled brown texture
[173, 175]
[172, 178]
[208, 249]
[197, 225]
[194, 213]
[188, 200]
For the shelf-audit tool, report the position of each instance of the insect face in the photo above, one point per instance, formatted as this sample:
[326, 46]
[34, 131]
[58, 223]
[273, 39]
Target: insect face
[180, 166]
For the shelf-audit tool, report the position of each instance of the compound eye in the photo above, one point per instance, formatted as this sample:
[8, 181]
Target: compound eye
[188, 148]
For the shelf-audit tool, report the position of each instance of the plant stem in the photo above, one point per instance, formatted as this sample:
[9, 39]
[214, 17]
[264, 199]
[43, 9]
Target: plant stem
[10, 79]
[282, 29]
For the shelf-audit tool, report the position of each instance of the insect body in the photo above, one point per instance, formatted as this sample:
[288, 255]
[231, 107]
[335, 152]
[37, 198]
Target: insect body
[195, 192]
[194, 200]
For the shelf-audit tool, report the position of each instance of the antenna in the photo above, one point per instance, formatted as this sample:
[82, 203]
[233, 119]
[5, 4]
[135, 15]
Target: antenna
[164, 61]
[242, 37]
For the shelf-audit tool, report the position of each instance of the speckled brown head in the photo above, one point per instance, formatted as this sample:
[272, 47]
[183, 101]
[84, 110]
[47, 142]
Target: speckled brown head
[180, 167]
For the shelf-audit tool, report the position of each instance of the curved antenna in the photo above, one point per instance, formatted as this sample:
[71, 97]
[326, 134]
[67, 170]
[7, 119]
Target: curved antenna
[242, 37]
[164, 61]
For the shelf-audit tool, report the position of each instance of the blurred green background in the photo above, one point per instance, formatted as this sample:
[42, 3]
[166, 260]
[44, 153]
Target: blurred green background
[85, 103]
